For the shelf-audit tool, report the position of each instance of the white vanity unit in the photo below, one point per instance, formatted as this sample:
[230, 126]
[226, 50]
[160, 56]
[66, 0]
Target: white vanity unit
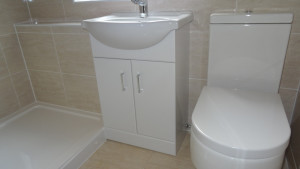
[142, 67]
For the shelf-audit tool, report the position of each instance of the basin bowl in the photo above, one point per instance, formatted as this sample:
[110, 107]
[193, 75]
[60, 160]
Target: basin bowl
[130, 32]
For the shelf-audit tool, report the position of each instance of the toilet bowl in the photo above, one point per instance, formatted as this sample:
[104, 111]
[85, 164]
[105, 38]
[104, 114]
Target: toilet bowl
[238, 129]
[239, 121]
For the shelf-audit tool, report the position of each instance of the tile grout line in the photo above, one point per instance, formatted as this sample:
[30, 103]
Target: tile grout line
[63, 6]
[294, 106]
[25, 63]
[58, 61]
[4, 77]
[192, 78]
[236, 6]
[293, 158]
[7, 34]
[288, 89]
[46, 33]
[10, 77]
[292, 115]
[293, 109]
[28, 8]
[92, 76]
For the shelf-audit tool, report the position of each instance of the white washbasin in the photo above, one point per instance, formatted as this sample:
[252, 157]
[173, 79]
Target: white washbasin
[129, 31]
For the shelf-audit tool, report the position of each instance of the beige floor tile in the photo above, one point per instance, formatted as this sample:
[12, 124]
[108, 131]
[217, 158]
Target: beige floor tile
[154, 166]
[115, 155]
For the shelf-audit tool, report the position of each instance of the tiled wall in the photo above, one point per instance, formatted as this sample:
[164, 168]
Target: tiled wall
[66, 9]
[294, 148]
[60, 63]
[15, 88]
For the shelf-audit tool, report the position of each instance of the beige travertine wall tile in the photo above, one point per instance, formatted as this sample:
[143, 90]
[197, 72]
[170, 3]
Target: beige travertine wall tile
[39, 51]
[8, 98]
[47, 9]
[95, 9]
[201, 9]
[195, 88]
[296, 115]
[82, 92]
[290, 76]
[12, 11]
[71, 46]
[33, 29]
[12, 53]
[48, 87]
[291, 70]
[294, 152]
[6, 29]
[288, 98]
[274, 5]
[254, 4]
[290, 158]
[296, 23]
[199, 54]
[296, 155]
[75, 53]
[11, 60]
[9, 41]
[68, 29]
[14, 59]
[23, 88]
[295, 138]
[295, 125]
[3, 66]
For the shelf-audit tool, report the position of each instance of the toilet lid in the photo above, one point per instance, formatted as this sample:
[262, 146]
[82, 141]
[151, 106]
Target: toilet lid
[240, 123]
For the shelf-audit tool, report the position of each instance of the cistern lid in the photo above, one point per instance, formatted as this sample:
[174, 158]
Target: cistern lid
[241, 124]
[251, 18]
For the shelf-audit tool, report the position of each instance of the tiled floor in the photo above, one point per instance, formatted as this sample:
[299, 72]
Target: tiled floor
[114, 155]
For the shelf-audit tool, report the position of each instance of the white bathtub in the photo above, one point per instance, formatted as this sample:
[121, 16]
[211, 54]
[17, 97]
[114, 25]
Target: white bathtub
[44, 137]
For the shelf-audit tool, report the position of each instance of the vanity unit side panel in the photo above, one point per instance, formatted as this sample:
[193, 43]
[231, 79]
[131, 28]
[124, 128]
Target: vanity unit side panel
[182, 40]
[114, 79]
[163, 51]
[154, 92]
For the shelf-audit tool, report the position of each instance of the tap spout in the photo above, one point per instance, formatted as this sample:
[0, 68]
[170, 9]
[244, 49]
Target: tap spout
[143, 6]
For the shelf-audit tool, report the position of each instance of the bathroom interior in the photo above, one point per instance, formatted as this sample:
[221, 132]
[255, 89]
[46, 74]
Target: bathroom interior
[49, 85]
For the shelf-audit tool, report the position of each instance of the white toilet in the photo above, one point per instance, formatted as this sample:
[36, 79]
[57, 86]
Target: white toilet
[239, 121]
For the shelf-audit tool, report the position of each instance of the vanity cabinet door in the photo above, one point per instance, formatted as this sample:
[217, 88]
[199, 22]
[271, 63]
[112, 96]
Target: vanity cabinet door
[114, 78]
[154, 91]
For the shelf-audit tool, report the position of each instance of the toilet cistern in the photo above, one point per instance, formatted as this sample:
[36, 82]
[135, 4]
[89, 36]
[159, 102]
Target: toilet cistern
[239, 120]
[143, 6]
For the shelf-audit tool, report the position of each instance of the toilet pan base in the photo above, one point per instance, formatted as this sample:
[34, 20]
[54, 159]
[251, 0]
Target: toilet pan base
[205, 158]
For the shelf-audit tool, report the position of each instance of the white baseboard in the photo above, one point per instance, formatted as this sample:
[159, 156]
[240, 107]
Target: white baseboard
[141, 141]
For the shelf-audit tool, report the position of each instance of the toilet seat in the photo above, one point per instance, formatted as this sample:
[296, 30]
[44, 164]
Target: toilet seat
[241, 124]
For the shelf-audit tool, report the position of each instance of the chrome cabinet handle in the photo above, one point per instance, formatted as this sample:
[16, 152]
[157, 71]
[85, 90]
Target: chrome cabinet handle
[139, 80]
[124, 87]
